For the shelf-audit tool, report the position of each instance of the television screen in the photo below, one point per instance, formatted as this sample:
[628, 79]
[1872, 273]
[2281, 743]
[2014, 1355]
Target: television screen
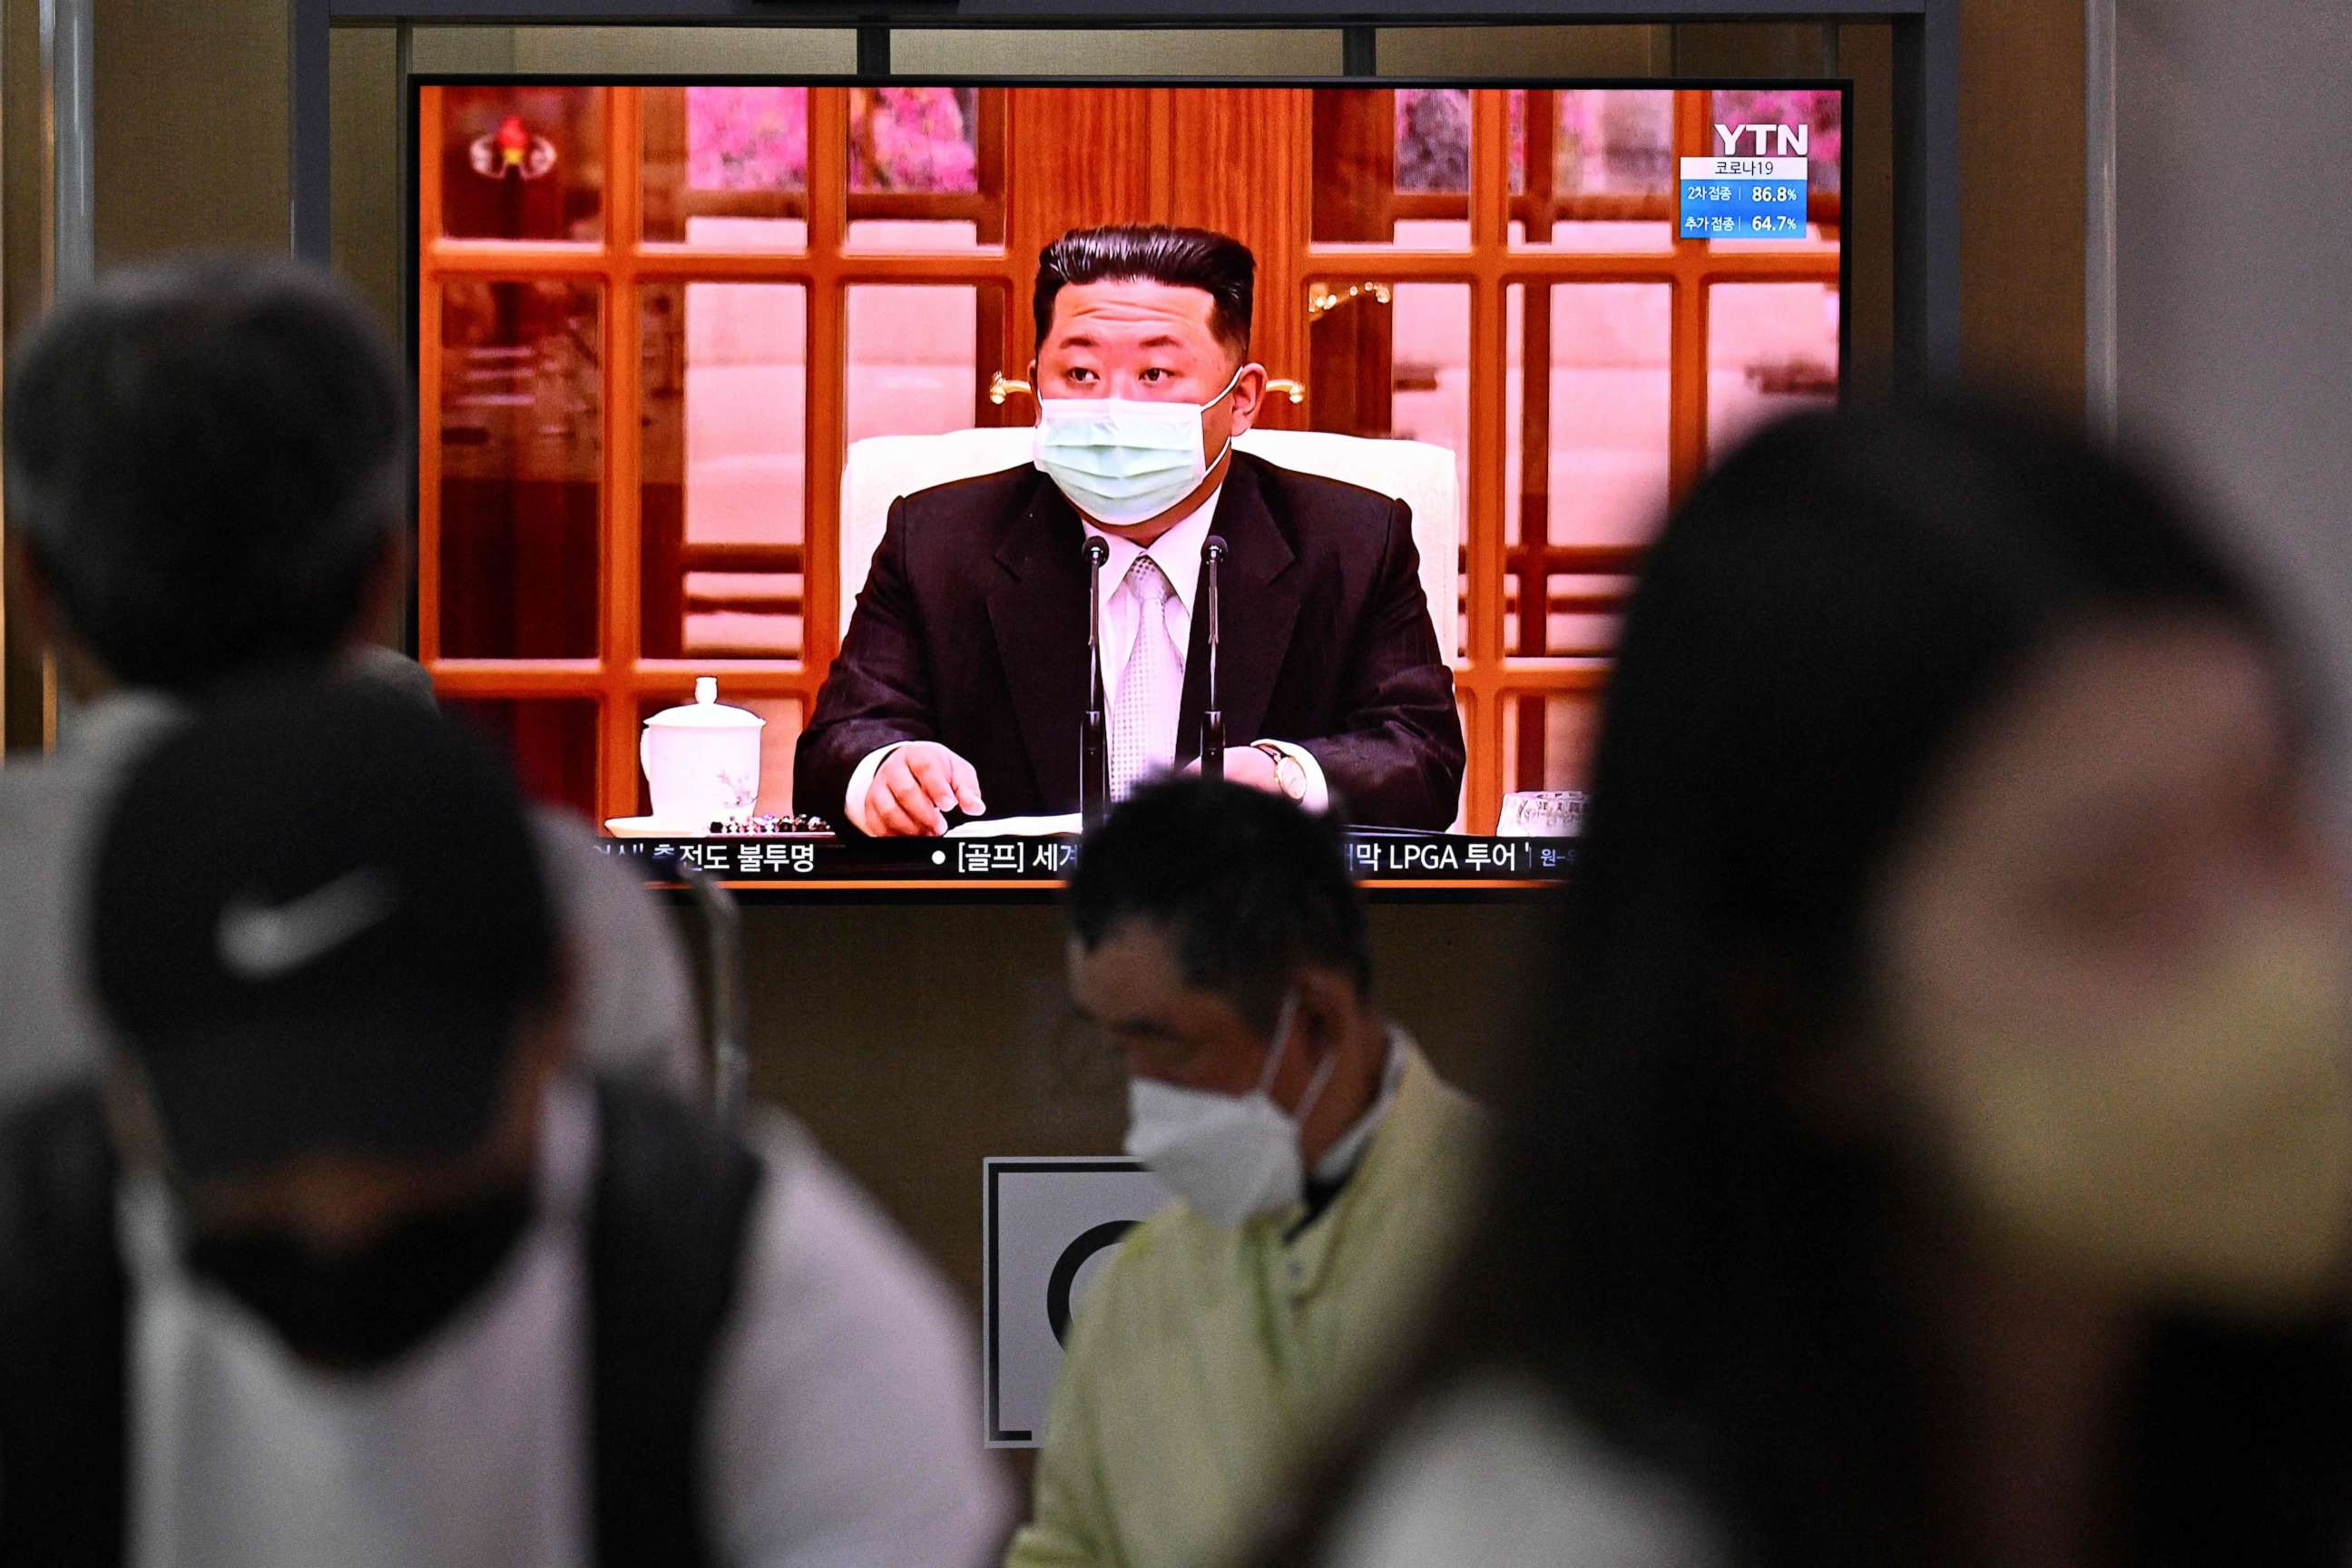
[771, 511]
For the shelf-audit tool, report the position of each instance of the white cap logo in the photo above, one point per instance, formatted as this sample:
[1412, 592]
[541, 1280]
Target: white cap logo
[262, 941]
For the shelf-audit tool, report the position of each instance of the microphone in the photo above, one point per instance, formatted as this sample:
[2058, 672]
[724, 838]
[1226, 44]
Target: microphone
[1213, 720]
[1094, 740]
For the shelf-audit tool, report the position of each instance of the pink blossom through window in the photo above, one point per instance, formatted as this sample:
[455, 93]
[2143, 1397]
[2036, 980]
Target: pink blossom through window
[747, 138]
[914, 139]
[1433, 139]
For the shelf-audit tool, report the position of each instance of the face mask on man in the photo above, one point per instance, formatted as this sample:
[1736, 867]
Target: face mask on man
[2194, 1153]
[1231, 1157]
[1120, 460]
[361, 1310]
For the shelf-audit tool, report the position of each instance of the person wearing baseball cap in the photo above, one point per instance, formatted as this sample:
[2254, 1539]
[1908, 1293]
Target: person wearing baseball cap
[342, 1260]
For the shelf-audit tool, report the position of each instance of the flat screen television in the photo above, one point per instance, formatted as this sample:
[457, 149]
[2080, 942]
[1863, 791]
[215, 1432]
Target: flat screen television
[684, 348]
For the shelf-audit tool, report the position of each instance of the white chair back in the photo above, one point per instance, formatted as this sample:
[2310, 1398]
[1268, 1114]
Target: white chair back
[882, 468]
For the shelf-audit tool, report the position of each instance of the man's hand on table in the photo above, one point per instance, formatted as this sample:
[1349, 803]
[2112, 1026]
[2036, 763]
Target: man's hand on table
[916, 786]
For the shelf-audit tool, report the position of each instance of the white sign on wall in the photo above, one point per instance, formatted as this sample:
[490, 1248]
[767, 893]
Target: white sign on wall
[1048, 1227]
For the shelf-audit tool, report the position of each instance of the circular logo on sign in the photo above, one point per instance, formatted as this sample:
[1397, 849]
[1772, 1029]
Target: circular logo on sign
[1064, 1276]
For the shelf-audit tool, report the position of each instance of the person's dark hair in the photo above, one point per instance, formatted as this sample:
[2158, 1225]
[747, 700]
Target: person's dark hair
[1218, 263]
[1695, 1268]
[1247, 885]
[205, 458]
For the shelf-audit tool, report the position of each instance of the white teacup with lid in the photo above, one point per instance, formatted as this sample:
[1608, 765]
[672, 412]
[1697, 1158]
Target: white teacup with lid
[701, 761]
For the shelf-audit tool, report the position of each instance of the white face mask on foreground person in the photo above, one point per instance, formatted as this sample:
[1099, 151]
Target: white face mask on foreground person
[1232, 1157]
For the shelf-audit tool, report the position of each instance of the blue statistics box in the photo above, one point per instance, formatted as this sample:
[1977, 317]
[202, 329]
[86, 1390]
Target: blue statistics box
[1742, 198]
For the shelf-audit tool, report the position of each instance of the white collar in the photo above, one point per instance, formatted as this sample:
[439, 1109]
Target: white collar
[1177, 552]
[1341, 1157]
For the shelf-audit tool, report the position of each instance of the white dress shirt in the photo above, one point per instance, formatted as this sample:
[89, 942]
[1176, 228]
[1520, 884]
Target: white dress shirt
[840, 1431]
[1177, 553]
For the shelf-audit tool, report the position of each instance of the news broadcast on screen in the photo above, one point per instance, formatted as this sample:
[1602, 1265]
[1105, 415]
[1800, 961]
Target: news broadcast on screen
[866, 486]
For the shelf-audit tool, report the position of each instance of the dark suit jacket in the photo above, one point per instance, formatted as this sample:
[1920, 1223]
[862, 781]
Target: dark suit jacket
[971, 631]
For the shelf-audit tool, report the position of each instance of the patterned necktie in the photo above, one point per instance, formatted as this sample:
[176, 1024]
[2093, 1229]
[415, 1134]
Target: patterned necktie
[1149, 687]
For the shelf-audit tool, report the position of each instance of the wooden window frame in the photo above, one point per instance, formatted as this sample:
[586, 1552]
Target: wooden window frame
[619, 679]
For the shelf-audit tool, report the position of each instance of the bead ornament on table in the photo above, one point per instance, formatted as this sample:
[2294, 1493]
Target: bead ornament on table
[788, 822]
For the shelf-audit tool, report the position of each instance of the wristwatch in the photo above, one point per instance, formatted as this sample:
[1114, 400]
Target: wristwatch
[1289, 773]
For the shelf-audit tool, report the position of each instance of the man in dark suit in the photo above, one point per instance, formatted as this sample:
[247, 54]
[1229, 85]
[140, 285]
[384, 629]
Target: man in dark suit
[962, 680]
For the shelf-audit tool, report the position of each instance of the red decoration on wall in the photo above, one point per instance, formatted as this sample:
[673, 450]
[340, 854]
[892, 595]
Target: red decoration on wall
[513, 148]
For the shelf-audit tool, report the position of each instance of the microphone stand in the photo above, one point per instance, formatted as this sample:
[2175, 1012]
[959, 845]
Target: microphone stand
[1094, 740]
[1213, 720]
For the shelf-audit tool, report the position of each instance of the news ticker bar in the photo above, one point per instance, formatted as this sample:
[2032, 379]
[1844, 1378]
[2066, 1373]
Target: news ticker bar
[1743, 198]
[787, 859]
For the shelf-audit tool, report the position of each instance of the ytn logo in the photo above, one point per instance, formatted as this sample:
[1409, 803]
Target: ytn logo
[1791, 139]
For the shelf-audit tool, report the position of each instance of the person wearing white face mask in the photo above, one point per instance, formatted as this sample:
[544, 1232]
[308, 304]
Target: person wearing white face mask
[1318, 1164]
[962, 679]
